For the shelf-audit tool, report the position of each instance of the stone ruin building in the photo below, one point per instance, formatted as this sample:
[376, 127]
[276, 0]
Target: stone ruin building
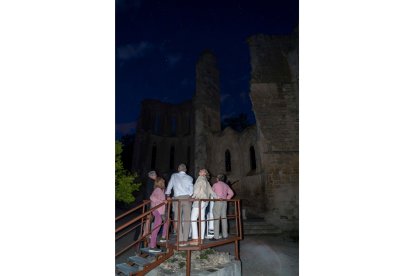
[262, 161]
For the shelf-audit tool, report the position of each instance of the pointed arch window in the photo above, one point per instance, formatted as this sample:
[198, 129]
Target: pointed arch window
[172, 153]
[188, 156]
[227, 158]
[173, 126]
[157, 124]
[189, 124]
[252, 158]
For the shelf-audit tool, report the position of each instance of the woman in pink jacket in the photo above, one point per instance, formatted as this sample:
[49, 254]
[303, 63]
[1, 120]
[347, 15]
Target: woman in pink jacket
[157, 197]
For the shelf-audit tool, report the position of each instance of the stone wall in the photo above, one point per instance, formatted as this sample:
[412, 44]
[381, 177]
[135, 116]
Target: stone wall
[281, 172]
[163, 127]
[274, 95]
[166, 119]
[246, 182]
[163, 164]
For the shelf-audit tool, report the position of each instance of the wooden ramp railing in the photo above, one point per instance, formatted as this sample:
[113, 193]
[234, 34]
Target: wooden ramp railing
[139, 219]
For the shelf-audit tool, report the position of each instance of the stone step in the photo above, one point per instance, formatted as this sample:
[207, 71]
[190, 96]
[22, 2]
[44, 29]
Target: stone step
[255, 227]
[251, 223]
[258, 232]
[138, 260]
[258, 227]
[127, 269]
[262, 232]
[261, 226]
[147, 250]
[254, 222]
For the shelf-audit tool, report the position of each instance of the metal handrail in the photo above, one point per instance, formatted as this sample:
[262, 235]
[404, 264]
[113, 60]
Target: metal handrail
[145, 222]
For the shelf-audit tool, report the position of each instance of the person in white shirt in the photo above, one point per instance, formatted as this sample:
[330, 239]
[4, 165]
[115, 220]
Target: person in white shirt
[182, 184]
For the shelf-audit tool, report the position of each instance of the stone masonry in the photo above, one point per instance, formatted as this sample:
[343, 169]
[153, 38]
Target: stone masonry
[261, 162]
[274, 95]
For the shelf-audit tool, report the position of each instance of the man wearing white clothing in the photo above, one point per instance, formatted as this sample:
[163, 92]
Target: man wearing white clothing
[182, 184]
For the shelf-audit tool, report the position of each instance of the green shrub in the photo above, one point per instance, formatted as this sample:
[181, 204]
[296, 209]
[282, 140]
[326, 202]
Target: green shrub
[124, 180]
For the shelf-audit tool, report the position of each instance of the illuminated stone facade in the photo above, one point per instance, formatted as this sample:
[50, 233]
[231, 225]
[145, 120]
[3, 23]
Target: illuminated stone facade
[261, 162]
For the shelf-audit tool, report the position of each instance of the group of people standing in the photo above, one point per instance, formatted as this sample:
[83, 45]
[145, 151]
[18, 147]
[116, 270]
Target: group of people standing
[182, 185]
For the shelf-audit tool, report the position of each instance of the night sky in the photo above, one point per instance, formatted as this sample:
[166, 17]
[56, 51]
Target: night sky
[158, 44]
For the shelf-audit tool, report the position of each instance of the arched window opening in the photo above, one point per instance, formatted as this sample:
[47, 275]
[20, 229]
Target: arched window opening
[172, 152]
[252, 158]
[188, 156]
[157, 124]
[173, 126]
[228, 161]
[189, 124]
[153, 157]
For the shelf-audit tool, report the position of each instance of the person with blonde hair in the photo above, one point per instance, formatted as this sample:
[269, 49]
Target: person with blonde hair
[202, 190]
[157, 197]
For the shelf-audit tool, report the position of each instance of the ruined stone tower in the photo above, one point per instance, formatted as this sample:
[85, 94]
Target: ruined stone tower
[274, 95]
[206, 104]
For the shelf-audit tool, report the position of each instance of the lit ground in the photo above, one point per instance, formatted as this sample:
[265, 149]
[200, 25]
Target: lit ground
[267, 255]
[262, 255]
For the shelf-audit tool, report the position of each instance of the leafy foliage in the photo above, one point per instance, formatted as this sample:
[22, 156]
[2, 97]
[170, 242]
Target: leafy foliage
[124, 180]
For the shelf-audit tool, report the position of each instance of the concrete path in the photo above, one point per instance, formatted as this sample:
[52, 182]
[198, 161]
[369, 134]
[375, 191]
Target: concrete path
[267, 255]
